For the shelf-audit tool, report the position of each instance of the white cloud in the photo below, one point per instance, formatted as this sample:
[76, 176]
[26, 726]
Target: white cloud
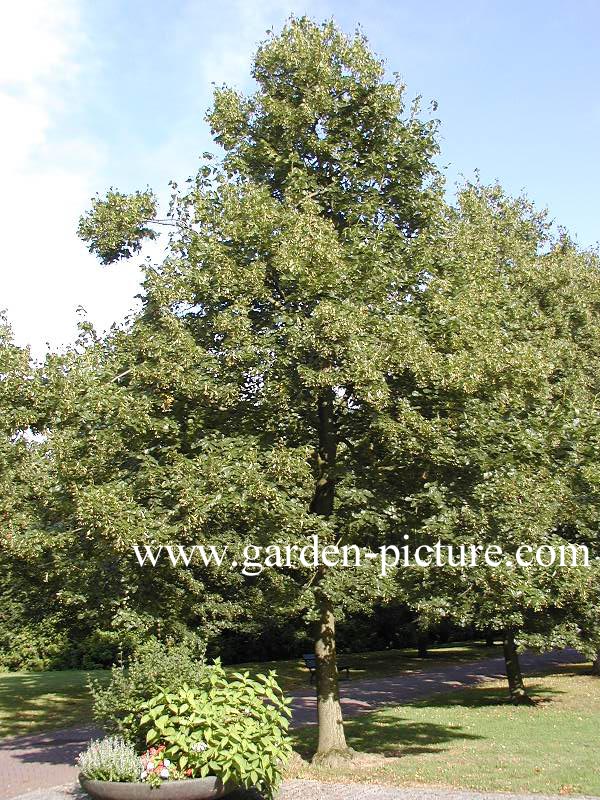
[37, 36]
[48, 176]
[48, 67]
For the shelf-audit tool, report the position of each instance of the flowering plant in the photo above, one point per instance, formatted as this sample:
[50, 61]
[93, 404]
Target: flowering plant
[156, 767]
[233, 727]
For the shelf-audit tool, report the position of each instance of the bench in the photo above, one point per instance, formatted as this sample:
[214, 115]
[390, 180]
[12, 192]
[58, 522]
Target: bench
[310, 662]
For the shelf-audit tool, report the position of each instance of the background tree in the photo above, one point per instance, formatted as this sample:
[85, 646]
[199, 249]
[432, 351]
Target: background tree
[21, 614]
[493, 421]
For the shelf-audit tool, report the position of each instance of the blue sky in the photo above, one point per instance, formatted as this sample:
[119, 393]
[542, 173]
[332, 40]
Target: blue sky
[114, 93]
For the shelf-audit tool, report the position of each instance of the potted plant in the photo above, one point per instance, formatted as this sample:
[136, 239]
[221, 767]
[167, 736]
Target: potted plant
[112, 770]
[201, 742]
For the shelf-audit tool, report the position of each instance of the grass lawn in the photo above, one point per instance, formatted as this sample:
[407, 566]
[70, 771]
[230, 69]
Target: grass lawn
[33, 702]
[473, 739]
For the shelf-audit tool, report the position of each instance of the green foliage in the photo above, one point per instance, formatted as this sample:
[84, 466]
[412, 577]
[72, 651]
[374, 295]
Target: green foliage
[116, 225]
[328, 348]
[232, 727]
[110, 759]
[499, 410]
[31, 647]
[326, 124]
[153, 666]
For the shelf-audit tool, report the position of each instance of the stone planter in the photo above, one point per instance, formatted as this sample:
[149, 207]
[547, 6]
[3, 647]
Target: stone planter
[192, 789]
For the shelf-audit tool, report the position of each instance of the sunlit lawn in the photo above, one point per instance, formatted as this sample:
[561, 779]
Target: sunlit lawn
[41, 701]
[32, 702]
[473, 739]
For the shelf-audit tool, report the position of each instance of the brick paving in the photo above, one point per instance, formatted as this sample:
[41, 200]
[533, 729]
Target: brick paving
[42, 761]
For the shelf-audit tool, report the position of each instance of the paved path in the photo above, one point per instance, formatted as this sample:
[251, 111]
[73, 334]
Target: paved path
[45, 760]
[362, 696]
[34, 762]
[314, 790]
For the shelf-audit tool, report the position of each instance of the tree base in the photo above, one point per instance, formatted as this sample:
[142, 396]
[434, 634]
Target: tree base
[522, 700]
[333, 758]
[346, 759]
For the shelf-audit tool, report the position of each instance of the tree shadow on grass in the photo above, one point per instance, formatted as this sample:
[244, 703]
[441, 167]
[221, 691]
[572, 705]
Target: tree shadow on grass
[42, 701]
[388, 735]
[482, 695]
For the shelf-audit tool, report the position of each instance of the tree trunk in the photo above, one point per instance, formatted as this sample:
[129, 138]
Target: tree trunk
[489, 638]
[596, 665]
[422, 643]
[518, 694]
[329, 710]
[332, 739]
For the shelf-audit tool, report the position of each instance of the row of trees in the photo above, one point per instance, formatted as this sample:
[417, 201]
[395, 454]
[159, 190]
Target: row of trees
[328, 347]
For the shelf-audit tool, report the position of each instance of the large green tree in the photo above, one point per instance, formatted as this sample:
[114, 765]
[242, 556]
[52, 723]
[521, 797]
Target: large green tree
[21, 615]
[271, 327]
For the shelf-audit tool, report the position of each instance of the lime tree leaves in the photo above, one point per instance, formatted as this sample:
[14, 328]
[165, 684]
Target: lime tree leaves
[116, 225]
[327, 348]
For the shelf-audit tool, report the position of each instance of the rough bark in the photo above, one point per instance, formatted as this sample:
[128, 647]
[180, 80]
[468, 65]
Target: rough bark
[518, 694]
[332, 739]
[596, 665]
[324, 494]
[329, 710]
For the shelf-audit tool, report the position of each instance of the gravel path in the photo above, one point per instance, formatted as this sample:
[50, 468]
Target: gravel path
[29, 763]
[314, 790]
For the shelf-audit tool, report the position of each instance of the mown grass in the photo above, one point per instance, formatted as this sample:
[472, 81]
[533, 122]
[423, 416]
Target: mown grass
[33, 702]
[474, 739]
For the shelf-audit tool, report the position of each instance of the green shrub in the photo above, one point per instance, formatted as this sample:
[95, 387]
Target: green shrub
[153, 666]
[103, 646]
[110, 759]
[32, 648]
[232, 727]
